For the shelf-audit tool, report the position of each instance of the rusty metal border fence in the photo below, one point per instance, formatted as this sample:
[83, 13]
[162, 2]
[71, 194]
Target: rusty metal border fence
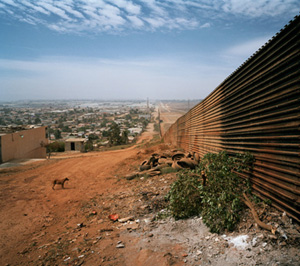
[256, 109]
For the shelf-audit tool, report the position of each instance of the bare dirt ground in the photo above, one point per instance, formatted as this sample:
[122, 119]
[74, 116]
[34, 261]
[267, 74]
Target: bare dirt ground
[168, 116]
[42, 226]
[172, 110]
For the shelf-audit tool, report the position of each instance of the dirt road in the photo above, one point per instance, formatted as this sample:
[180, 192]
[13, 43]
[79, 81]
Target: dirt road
[42, 226]
[168, 116]
[28, 202]
[33, 214]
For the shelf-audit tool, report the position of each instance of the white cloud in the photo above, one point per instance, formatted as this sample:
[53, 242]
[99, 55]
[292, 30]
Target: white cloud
[118, 15]
[130, 7]
[247, 48]
[259, 8]
[70, 9]
[156, 22]
[35, 7]
[235, 55]
[9, 2]
[136, 21]
[53, 9]
[205, 25]
[57, 27]
[155, 7]
[186, 23]
[112, 14]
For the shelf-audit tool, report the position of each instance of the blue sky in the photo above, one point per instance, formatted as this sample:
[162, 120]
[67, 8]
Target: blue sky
[130, 49]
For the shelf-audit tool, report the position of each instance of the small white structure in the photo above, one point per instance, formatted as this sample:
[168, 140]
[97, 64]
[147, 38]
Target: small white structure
[75, 144]
[135, 130]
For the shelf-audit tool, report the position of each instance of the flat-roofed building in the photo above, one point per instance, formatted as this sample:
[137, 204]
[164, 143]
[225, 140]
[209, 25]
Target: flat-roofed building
[23, 144]
[75, 144]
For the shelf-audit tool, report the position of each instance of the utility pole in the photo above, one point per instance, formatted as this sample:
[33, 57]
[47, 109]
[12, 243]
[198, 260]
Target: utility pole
[147, 104]
[148, 109]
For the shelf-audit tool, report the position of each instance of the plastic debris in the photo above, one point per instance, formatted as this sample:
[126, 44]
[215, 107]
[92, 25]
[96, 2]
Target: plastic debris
[113, 217]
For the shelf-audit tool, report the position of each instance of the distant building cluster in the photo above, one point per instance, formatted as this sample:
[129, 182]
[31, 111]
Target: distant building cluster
[73, 122]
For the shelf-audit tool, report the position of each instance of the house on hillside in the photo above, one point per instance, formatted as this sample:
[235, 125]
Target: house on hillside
[75, 144]
[19, 143]
[135, 130]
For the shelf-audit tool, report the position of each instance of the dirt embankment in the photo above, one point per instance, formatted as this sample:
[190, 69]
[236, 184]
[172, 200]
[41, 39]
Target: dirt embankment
[29, 206]
[42, 226]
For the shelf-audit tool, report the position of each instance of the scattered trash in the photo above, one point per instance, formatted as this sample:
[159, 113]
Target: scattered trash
[198, 252]
[285, 219]
[67, 259]
[132, 225]
[120, 245]
[147, 221]
[156, 163]
[282, 233]
[264, 244]
[240, 242]
[124, 220]
[113, 217]
[254, 242]
[80, 225]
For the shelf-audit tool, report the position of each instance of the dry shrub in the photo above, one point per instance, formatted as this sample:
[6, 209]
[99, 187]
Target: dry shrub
[163, 147]
[149, 150]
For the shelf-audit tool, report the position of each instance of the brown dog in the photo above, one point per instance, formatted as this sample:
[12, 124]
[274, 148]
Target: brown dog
[59, 182]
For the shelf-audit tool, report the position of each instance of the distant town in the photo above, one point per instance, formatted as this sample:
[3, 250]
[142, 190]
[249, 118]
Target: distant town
[92, 120]
[35, 129]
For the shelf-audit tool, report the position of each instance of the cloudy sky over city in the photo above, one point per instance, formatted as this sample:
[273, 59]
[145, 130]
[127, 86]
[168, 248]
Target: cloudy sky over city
[130, 49]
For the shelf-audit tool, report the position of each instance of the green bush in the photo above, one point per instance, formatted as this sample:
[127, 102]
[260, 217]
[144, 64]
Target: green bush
[220, 200]
[88, 146]
[185, 196]
[156, 127]
[168, 170]
[56, 146]
[221, 197]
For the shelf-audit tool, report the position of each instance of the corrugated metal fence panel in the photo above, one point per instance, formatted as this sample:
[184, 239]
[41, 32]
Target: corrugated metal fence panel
[256, 109]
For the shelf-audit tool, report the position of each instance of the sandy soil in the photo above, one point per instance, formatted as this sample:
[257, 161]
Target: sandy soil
[37, 221]
[168, 115]
[42, 226]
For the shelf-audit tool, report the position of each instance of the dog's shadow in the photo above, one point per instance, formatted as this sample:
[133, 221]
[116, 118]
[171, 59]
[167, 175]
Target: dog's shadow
[65, 188]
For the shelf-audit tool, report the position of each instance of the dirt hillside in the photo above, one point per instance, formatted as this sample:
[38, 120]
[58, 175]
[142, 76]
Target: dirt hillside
[37, 221]
[71, 226]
